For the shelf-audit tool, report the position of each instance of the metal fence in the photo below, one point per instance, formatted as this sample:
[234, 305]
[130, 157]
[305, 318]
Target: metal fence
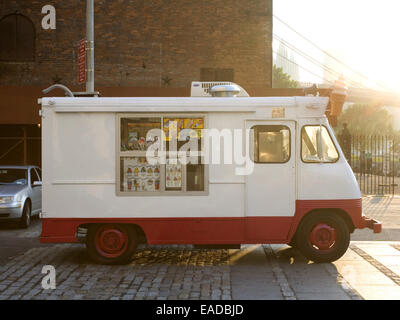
[375, 162]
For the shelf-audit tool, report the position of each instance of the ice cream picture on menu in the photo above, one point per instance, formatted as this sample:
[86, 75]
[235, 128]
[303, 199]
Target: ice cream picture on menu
[173, 179]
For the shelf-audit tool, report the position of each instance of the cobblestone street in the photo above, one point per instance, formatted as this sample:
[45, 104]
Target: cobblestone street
[180, 272]
[164, 273]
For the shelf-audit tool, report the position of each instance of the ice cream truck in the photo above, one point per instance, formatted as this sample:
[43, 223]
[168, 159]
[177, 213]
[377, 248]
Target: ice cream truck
[216, 168]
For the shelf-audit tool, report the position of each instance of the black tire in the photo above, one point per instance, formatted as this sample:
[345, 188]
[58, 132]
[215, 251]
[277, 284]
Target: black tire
[26, 215]
[340, 241]
[100, 252]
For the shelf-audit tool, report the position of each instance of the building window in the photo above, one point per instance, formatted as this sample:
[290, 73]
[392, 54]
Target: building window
[317, 145]
[170, 176]
[216, 74]
[17, 38]
[271, 144]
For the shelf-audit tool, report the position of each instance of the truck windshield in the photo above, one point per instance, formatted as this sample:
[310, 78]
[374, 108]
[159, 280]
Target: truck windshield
[317, 145]
[13, 176]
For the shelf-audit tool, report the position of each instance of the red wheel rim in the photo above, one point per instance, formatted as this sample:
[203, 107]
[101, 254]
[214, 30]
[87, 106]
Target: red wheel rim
[111, 241]
[323, 237]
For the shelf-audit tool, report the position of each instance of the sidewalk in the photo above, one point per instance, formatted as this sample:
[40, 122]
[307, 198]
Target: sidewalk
[386, 209]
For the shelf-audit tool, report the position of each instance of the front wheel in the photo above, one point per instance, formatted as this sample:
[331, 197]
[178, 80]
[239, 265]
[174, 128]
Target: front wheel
[111, 243]
[26, 215]
[323, 237]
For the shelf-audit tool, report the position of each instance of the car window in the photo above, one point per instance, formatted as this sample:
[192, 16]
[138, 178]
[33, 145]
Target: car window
[39, 172]
[13, 176]
[34, 176]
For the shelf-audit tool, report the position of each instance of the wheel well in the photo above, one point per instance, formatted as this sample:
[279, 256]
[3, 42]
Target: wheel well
[139, 231]
[141, 235]
[28, 199]
[339, 212]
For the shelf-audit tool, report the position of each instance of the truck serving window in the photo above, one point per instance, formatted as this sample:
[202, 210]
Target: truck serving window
[169, 176]
[271, 144]
[317, 145]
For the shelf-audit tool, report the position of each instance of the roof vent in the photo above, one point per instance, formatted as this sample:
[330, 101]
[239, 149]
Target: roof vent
[226, 90]
[204, 89]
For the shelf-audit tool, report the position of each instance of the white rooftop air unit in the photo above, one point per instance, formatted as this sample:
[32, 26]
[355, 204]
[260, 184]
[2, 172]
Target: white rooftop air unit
[203, 89]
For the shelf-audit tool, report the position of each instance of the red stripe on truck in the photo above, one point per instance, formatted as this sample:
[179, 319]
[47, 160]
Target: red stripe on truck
[208, 230]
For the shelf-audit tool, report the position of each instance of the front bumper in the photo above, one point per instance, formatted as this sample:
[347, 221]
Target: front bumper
[11, 210]
[372, 224]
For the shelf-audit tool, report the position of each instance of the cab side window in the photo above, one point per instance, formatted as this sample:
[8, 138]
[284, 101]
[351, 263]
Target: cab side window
[271, 144]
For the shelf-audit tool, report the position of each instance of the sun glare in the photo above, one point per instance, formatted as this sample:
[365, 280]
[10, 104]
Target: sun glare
[360, 33]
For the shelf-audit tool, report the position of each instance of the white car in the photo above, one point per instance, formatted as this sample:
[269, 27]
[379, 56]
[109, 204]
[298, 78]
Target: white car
[20, 193]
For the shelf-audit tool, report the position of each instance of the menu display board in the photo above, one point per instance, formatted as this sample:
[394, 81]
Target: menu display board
[173, 176]
[140, 176]
[137, 133]
[134, 133]
[177, 124]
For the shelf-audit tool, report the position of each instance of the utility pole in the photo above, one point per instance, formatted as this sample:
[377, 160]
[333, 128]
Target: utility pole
[90, 46]
[89, 59]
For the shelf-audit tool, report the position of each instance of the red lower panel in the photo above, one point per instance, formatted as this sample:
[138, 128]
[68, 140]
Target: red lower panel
[181, 230]
[193, 230]
[265, 229]
[219, 230]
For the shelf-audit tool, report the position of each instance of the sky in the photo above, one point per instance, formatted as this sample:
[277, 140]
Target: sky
[364, 34]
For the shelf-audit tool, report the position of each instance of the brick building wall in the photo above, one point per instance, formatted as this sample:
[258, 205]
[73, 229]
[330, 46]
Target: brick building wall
[142, 48]
[148, 43]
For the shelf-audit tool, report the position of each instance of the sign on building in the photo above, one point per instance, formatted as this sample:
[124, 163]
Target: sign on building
[82, 61]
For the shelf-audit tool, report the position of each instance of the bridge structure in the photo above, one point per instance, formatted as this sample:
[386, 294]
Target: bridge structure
[361, 95]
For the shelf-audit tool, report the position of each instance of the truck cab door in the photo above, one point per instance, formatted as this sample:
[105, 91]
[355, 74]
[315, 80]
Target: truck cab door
[271, 188]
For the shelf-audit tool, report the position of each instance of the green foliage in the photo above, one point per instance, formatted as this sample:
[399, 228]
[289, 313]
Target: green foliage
[281, 79]
[366, 119]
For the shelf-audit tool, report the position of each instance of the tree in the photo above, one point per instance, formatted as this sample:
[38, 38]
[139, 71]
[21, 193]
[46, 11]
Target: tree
[366, 119]
[281, 79]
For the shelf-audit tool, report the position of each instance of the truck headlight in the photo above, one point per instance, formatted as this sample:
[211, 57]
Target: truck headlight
[6, 199]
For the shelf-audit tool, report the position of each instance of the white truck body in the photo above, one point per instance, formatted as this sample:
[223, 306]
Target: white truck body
[81, 168]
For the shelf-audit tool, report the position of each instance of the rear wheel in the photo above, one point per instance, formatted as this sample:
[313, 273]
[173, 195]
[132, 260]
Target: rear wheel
[322, 237]
[111, 243]
[26, 215]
